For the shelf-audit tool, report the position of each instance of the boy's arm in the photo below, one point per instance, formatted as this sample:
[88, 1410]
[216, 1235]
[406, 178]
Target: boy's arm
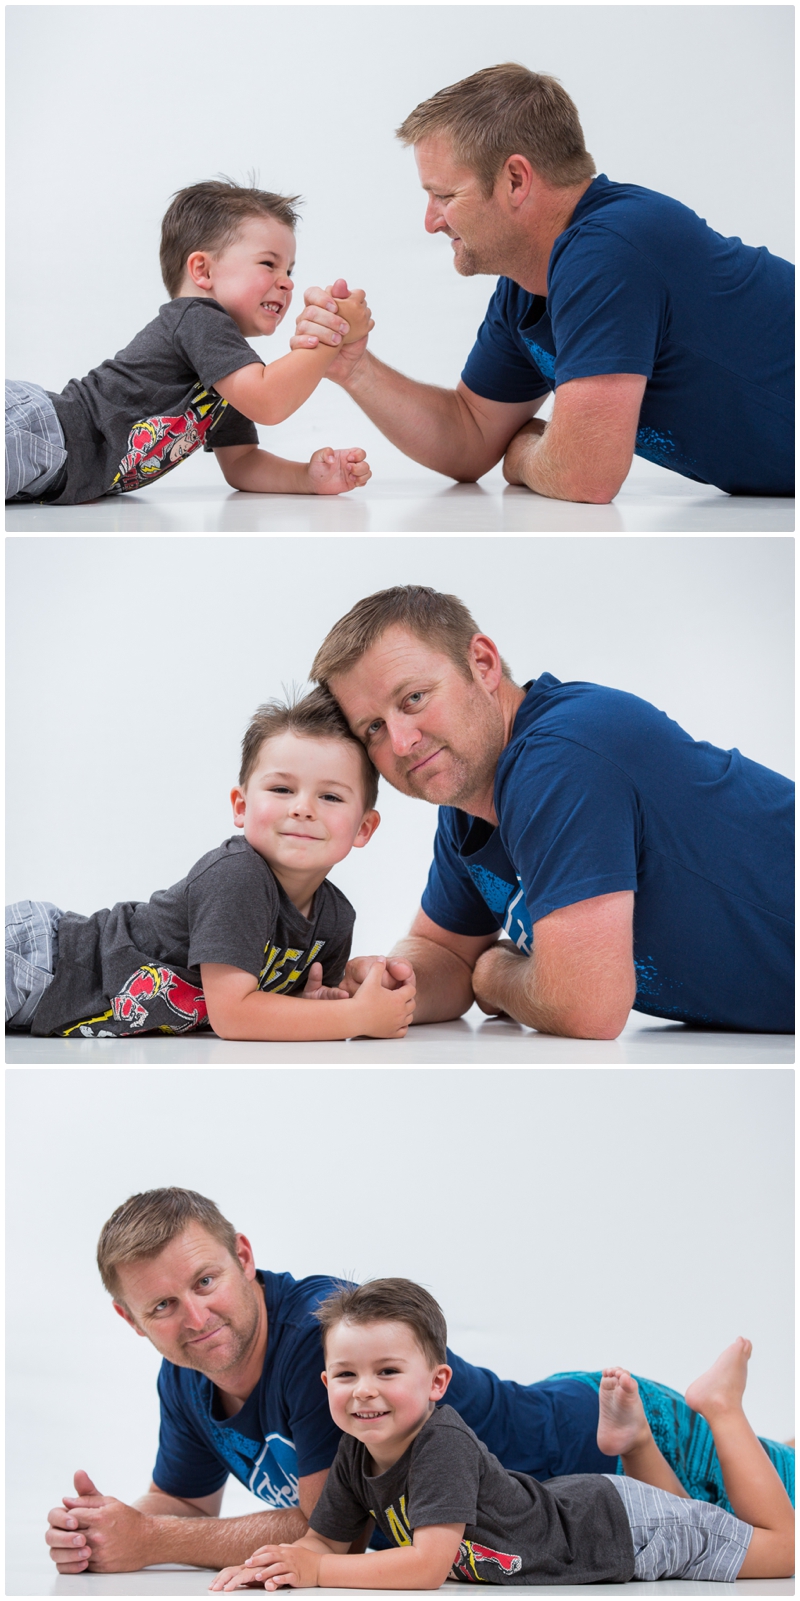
[423, 1565]
[271, 394]
[329, 472]
[239, 1010]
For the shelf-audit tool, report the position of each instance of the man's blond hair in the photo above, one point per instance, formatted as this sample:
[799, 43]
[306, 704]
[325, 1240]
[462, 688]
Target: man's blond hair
[441, 621]
[506, 111]
[145, 1223]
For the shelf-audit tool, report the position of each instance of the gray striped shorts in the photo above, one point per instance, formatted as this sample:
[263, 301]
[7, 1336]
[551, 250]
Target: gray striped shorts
[31, 956]
[35, 450]
[675, 1538]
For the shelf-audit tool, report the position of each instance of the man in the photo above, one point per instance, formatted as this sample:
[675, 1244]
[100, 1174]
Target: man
[241, 1393]
[659, 337]
[563, 806]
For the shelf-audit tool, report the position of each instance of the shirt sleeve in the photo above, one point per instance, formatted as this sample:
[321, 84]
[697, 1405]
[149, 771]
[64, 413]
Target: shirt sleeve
[185, 1465]
[498, 366]
[233, 908]
[444, 1478]
[209, 340]
[339, 1513]
[450, 898]
[337, 947]
[571, 823]
[608, 306]
[231, 429]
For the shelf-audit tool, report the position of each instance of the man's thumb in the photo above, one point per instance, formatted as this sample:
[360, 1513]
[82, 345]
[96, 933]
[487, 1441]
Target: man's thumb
[375, 974]
[84, 1485]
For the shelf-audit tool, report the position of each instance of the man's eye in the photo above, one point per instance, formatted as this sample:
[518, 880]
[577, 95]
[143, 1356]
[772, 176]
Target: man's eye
[414, 698]
[207, 1278]
[160, 1307]
[373, 728]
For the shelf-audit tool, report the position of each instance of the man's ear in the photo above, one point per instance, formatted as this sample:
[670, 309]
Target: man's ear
[485, 662]
[367, 827]
[245, 1257]
[239, 805]
[122, 1311]
[517, 180]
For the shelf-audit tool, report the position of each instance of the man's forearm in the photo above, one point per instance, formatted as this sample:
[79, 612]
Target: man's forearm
[532, 461]
[444, 981]
[218, 1542]
[433, 426]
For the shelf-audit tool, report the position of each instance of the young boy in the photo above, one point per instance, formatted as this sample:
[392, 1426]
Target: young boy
[409, 1465]
[190, 378]
[252, 939]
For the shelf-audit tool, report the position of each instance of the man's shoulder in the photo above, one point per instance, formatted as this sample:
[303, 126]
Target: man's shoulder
[625, 215]
[558, 722]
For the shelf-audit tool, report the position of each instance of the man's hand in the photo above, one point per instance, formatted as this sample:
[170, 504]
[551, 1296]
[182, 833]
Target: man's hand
[96, 1531]
[315, 990]
[321, 322]
[395, 973]
[518, 454]
[334, 472]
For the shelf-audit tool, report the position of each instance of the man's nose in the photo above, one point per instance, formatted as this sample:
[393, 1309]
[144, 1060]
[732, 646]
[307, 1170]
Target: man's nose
[195, 1313]
[434, 221]
[403, 735]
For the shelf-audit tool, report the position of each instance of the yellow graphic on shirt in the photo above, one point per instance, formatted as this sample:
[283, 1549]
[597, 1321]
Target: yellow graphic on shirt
[400, 1536]
[273, 975]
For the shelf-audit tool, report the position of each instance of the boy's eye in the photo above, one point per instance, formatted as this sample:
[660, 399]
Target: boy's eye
[337, 798]
[279, 789]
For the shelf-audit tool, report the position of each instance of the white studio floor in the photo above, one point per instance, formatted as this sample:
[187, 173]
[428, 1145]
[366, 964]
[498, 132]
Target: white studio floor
[30, 1572]
[405, 498]
[471, 1041]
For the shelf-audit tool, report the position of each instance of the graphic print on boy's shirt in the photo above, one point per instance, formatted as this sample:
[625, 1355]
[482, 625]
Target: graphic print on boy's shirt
[136, 968]
[157, 444]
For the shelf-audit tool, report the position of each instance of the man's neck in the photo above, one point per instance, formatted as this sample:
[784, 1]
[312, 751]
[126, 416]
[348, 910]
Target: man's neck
[510, 698]
[235, 1386]
[552, 214]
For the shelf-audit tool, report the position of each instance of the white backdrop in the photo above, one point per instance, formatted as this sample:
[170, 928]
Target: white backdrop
[112, 108]
[564, 1219]
[135, 664]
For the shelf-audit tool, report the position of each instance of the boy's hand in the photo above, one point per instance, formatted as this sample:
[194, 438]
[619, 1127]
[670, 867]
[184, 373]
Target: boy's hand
[333, 472]
[395, 973]
[315, 990]
[235, 1578]
[277, 1565]
[383, 1013]
[320, 322]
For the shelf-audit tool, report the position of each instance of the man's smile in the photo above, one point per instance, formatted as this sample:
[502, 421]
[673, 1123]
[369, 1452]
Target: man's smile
[426, 759]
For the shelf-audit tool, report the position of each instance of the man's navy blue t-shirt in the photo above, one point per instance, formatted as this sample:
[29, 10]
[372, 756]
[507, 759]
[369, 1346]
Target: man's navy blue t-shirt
[639, 283]
[285, 1431]
[596, 792]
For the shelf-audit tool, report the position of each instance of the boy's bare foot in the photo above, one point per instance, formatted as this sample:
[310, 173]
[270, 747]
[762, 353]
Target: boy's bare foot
[722, 1387]
[622, 1426]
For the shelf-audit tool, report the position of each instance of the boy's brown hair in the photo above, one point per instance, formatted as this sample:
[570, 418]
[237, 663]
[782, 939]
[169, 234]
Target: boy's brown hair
[506, 111]
[316, 716]
[389, 1301]
[442, 621]
[145, 1223]
[208, 216]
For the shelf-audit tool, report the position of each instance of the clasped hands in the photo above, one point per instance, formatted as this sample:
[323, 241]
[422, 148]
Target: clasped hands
[335, 316]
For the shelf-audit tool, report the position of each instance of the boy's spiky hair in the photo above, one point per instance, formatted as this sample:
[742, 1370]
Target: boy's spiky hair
[208, 216]
[389, 1301]
[313, 716]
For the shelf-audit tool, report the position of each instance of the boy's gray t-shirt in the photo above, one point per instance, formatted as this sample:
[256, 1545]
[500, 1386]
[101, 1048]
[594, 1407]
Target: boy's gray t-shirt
[141, 413]
[571, 1530]
[135, 968]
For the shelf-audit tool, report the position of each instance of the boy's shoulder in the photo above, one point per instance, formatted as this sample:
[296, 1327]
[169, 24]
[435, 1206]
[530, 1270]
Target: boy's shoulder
[233, 855]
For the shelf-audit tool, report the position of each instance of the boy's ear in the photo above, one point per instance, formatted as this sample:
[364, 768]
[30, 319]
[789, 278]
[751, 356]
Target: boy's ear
[239, 805]
[440, 1380]
[324, 1378]
[369, 823]
[197, 268]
